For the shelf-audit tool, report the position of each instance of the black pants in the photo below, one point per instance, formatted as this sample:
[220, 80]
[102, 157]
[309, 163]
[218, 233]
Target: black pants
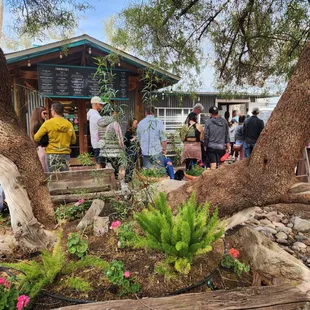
[215, 155]
[115, 162]
[189, 162]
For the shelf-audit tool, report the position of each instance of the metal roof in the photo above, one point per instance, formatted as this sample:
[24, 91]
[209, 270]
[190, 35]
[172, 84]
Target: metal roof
[91, 42]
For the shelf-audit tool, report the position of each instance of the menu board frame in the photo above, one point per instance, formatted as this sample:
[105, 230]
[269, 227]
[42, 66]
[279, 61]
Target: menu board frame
[65, 81]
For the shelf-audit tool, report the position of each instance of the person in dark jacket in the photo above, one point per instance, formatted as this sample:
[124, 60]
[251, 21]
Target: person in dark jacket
[131, 148]
[252, 128]
[216, 137]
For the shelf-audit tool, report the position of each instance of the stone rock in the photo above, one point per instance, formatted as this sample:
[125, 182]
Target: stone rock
[284, 220]
[282, 241]
[274, 216]
[301, 224]
[277, 224]
[307, 242]
[281, 235]
[300, 237]
[273, 231]
[101, 225]
[286, 230]
[299, 246]
[165, 186]
[253, 221]
[239, 218]
[265, 222]
[290, 225]
[268, 259]
[271, 226]
[287, 249]
[258, 210]
[94, 210]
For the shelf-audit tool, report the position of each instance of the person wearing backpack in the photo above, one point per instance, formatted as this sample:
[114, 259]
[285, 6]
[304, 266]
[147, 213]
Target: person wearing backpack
[191, 135]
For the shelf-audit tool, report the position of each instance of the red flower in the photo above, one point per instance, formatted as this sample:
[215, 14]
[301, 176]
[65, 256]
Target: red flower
[233, 252]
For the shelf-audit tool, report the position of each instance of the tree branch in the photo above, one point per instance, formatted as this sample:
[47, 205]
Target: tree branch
[186, 9]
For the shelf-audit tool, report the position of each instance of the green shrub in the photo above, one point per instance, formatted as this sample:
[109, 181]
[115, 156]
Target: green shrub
[77, 245]
[70, 213]
[125, 234]
[191, 232]
[154, 172]
[117, 275]
[196, 170]
[78, 284]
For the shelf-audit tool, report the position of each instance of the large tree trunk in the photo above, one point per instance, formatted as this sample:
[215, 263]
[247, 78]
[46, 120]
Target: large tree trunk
[267, 175]
[18, 148]
[28, 232]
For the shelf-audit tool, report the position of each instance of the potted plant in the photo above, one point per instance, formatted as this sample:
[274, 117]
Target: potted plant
[195, 171]
[153, 174]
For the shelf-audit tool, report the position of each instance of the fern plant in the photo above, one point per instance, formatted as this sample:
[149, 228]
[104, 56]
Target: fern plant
[191, 232]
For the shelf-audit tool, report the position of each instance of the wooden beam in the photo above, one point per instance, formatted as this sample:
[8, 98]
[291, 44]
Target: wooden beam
[265, 297]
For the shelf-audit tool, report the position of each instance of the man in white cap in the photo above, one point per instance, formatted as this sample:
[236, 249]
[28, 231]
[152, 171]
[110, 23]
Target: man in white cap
[252, 128]
[93, 116]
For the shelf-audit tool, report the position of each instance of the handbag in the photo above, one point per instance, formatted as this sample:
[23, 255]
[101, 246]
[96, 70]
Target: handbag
[237, 147]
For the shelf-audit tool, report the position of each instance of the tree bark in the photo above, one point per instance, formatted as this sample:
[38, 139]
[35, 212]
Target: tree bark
[18, 148]
[267, 175]
[28, 232]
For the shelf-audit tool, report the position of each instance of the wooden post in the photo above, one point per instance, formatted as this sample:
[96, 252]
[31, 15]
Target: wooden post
[82, 123]
[139, 107]
[16, 98]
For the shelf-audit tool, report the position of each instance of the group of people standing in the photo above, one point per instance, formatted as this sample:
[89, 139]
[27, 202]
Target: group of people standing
[216, 140]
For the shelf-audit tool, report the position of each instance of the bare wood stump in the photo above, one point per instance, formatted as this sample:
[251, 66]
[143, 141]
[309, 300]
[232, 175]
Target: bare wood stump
[101, 225]
[88, 219]
[28, 232]
[264, 297]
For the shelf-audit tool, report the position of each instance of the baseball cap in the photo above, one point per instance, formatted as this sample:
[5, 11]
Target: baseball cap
[198, 106]
[255, 111]
[213, 110]
[96, 99]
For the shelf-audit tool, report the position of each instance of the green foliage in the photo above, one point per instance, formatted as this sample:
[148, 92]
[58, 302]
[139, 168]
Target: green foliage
[39, 274]
[78, 284]
[85, 159]
[154, 172]
[8, 294]
[120, 208]
[230, 262]
[196, 170]
[77, 245]
[176, 147]
[125, 234]
[250, 40]
[115, 274]
[191, 232]
[70, 213]
[86, 261]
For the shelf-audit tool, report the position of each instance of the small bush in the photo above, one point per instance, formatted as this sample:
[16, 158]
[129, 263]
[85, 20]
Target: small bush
[191, 232]
[70, 213]
[78, 284]
[77, 245]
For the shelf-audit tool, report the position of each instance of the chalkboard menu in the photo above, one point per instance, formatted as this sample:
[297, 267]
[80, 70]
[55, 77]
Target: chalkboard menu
[77, 82]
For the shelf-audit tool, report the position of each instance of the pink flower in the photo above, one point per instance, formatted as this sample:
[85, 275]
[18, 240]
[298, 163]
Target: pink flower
[115, 224]
[233, 252]
[5, 283]
[126, 274]
[22, 302]
[79, 202]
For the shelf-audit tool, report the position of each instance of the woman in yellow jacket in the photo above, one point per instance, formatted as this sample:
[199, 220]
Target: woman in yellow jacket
[60, 135]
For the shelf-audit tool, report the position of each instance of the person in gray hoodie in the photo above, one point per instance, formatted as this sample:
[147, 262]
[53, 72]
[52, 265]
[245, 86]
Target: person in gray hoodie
[216, 137]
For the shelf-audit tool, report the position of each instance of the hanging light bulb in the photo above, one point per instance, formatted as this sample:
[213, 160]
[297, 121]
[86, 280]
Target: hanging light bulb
[29, 63]
[198, 99]
[119, 64]
[60, 55]
[89, 50]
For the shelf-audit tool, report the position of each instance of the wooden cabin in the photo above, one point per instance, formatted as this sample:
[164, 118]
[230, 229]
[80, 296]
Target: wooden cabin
[63, 71]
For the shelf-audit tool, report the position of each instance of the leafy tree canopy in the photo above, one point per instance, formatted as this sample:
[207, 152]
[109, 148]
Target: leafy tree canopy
[247, 40]
[33, 17]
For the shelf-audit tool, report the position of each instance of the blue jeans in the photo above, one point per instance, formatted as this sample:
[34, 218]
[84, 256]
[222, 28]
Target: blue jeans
[158, 161]
[151, 161]
[248, 148]
[57, 162]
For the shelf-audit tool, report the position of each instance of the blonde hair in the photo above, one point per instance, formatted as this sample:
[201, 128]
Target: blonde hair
[36, 118]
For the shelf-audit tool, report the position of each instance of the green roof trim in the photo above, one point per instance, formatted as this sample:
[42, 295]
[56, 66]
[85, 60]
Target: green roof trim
[91, 42]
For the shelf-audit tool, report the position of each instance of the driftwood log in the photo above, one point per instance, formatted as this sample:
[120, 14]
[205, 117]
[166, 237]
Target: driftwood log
[264, 297]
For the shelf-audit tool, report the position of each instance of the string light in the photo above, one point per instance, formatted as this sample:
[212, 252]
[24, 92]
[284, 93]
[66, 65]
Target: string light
[119, 64]
[60, 55]
[29, 63]
[89, 50]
